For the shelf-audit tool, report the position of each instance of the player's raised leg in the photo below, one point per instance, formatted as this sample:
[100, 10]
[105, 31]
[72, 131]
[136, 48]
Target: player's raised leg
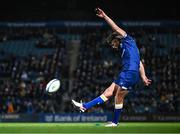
[99, 100]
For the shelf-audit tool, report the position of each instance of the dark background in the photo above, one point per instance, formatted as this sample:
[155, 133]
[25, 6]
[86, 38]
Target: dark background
[83, 9]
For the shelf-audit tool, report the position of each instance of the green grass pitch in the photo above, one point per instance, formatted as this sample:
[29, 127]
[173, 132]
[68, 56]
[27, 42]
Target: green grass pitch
[50, 128]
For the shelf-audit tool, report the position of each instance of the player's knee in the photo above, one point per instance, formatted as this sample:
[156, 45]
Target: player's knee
[121, 94]
[118, 94]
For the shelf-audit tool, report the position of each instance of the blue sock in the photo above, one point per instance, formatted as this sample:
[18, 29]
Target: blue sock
[117, 113]
[99, 100]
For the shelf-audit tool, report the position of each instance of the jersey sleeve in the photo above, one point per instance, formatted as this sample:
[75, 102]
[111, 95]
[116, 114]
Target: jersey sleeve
[128, 40]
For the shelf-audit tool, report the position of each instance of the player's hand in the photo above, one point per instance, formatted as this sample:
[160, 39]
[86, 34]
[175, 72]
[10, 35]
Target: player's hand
[100, 13]
[146, 81]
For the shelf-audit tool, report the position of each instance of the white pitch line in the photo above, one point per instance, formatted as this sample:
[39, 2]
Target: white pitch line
[88, 133]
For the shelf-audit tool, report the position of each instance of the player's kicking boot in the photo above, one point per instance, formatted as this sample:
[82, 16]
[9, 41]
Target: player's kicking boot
[79, 105]
[84, 106]
[111, 124]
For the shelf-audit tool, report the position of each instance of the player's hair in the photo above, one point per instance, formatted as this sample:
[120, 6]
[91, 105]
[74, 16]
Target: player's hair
[112, 36]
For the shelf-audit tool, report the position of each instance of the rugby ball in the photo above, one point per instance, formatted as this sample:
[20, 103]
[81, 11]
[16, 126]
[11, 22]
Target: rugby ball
[53, 86]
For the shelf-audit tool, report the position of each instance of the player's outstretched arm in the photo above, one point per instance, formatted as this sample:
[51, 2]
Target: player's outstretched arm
[100, 13]
[146, 81]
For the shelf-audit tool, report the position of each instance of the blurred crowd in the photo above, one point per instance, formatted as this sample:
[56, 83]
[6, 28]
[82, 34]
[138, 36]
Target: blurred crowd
[23, 79]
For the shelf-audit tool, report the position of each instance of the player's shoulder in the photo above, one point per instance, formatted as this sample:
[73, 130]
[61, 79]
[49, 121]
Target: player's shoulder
[127, 37]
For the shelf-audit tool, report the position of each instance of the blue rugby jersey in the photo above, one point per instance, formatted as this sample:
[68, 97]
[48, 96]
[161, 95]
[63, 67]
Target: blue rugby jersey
[130, 59]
